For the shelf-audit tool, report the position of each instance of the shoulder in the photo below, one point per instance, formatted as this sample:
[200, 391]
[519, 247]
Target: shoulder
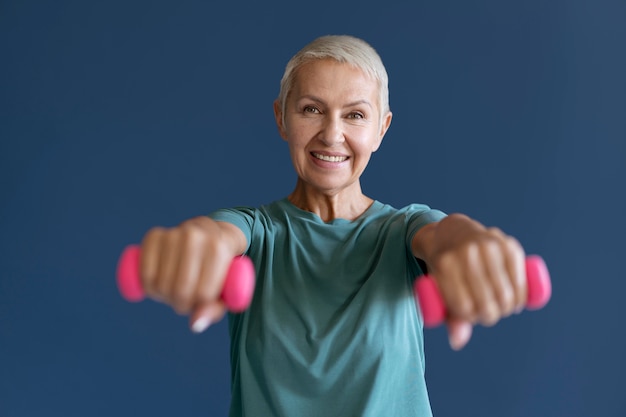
[247, 212]
[410, 213]
[250, 218]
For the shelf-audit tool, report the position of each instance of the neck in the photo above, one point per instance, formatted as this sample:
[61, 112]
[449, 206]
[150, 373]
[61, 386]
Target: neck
[346, 204]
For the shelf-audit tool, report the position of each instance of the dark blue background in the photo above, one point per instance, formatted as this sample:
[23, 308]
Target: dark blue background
[118, 116]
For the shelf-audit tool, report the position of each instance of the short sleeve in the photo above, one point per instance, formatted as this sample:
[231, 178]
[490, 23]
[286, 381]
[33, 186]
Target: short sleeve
[241, 217]
[419, 215]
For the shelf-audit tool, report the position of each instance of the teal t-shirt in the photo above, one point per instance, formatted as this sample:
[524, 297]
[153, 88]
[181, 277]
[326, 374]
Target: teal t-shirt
[333, 328]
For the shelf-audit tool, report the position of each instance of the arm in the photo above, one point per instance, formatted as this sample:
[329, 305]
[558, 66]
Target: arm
[185, 266]
[480, 272]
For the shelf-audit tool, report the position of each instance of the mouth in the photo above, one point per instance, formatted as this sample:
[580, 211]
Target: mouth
[329, 158]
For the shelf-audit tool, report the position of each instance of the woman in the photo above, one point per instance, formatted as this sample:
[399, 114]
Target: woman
[333, 328]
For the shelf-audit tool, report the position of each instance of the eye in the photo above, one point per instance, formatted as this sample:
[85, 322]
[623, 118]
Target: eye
[310, 109]
[356, 115]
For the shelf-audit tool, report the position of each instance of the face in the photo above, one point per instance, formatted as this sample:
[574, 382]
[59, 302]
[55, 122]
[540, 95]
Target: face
[332, 124]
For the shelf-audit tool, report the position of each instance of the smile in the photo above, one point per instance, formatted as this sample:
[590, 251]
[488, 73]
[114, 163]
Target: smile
[329, 158]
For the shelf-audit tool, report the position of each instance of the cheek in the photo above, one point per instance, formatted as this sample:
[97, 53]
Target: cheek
[296, 145]
[297, 137]
[366, 144]
[297, 150]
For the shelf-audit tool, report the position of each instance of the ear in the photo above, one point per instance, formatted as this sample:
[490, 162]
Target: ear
[384, 126]
[278, 116]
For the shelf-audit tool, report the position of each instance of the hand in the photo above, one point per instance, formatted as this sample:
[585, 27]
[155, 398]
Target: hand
[480, 273]
[185, 267]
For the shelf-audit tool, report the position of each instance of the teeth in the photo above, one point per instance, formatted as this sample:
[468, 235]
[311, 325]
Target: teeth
[328, 158]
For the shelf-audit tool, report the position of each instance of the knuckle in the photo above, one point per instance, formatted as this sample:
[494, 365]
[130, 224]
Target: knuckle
[506, 300]
[507, 297]
[495, 231]
[148, 276]
[443, 262]
[153, 235]
[491, 247]
[511, 240]
[217, 249]
[192, 234]
[155, 232]
[513, 245]
[162, 290]
[471, 250]
[463, 307]
[490, 320]
[181, 303]
[489, 315]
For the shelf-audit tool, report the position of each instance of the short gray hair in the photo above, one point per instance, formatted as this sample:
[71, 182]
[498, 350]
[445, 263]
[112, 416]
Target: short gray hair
[343, 49]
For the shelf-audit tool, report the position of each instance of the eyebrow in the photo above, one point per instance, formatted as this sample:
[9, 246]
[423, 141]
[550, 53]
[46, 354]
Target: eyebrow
[351, 104]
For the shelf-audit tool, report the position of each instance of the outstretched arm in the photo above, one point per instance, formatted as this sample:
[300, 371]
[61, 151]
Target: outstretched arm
[479, 270]
[185, 266]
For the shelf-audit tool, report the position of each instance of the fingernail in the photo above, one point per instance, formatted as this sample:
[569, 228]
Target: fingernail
[200, 325]
[455, 343]
[460, 338]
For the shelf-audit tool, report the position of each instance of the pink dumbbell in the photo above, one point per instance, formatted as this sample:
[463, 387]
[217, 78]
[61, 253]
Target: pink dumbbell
[236, 293]
[434, 310]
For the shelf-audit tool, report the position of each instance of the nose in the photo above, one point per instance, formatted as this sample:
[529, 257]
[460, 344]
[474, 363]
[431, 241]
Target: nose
[332, 131]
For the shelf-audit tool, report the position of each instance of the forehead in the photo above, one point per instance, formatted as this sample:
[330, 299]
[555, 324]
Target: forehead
[334, 79]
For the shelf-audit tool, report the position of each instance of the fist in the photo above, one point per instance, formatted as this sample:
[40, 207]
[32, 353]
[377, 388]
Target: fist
[480, 271]
[185, 266]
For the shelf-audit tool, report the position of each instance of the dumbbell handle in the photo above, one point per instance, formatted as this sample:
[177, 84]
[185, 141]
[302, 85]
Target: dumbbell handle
[434, 310]
[236, 293]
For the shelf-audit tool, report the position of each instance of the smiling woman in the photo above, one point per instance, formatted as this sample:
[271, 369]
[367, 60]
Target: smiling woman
[332, 328]
[332, 125]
